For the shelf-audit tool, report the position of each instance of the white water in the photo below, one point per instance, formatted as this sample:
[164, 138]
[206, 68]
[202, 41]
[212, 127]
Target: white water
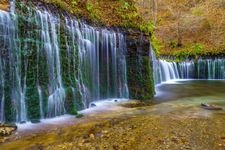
[165, 71]
[10, 68]
[95, 59]
[49, 37]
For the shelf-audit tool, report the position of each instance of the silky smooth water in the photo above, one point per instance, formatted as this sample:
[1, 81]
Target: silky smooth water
[52, 63]
[193, 92]
[203, 68]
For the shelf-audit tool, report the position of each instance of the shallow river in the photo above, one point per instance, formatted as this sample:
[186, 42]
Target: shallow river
[175, 120]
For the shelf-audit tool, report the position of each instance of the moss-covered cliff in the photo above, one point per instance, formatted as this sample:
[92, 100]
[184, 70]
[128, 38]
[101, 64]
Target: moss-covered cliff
[121, 14]
[180, 27]
[59, 64]
[124, 16]
[110, 13]
[140, 73]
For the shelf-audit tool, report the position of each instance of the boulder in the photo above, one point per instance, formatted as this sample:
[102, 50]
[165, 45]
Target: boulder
[210, 107]
[35, 121]
[92, 105]
[7, 129]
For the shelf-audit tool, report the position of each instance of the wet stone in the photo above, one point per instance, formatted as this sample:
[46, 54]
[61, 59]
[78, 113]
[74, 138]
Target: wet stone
[35, 121]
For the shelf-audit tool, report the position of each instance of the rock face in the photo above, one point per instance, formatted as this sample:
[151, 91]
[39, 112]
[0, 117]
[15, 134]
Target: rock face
[4, 5]
[139, 65]
[39, 95]
[183, 25]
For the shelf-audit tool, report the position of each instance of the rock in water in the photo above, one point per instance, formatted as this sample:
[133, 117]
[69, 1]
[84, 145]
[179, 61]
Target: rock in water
[35, 121]
[22, 122]
[92, 105]
[210, 107]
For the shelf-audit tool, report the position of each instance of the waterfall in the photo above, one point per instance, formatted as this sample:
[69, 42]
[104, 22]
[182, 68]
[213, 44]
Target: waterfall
[10, 68]
[51, 64]
[101, 61]
[4, 19]
[163, 70]
[49, 26]
[203, 68]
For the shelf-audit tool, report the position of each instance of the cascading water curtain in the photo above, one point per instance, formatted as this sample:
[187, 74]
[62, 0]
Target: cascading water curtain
[203, 68]
[51, 65]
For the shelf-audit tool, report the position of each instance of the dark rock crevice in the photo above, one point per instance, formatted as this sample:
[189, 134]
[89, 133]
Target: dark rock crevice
[139, 65]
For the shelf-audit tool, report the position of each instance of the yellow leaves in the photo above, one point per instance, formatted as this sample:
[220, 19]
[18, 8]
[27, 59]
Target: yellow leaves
[4, 5]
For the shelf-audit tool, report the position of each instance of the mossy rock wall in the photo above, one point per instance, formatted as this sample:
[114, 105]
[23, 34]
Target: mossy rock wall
[34, 68]
[139, 66]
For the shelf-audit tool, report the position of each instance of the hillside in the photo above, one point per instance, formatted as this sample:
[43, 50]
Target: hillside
[103, 12]
[187, 27]
[181, 27]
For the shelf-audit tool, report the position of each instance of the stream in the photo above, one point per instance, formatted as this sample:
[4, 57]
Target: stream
[175, 108]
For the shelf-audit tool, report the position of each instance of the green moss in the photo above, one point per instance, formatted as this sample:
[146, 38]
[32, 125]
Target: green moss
[156, 45]
[79, 116]
[196, 49]
[94, 14]
[34, 63]
[147, 79]
[32, 97]
[59, 3]
[140, 78]
[28, 54]
[173, 43]
[9, 108]
[70, 105]
[128, 14]
[147, 27]
[192, 50]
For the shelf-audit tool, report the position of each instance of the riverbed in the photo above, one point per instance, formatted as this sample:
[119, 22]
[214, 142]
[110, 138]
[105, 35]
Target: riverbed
[172, 120]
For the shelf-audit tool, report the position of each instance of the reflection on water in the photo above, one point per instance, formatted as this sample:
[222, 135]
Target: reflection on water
[187, 95]
[190, 89]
